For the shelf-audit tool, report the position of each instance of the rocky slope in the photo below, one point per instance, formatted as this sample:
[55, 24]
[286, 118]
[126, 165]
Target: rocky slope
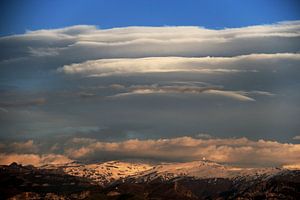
[124, 180]
[28, 182]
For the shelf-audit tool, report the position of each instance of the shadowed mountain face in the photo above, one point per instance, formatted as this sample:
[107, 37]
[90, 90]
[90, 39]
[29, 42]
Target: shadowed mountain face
[28, 182]
[144, 181]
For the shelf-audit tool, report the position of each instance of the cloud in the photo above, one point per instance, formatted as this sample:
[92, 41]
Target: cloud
[27, 146]
[42, 52]
[117, 86]
[86, 94]
[108, 67]
[189, 89]
[79, 43]
[33, 102]
[204, 136]
[258, 63]
[73, 130]
[292, 166]
[231, 94]
[33, 159]
[156, 89]
[297, 137]
[20, 147]
[83, 140]
[3, 110]
[236, 151]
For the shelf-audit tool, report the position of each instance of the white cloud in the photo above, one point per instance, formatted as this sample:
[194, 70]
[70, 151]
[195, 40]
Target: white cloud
[196, 90]
[80, 43]
[297, 137]
[231, 94]
[41, 52]
[107, 67]
[204, 136]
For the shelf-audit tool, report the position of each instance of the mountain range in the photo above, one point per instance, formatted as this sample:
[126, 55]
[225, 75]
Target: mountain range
[141, 180]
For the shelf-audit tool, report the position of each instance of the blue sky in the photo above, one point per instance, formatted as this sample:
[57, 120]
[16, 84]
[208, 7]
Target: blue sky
[18, 16]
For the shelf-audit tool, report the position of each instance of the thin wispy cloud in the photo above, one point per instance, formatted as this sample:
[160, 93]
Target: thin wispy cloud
[297, 137]
[206, 65]
[24, 103]
[194, 90]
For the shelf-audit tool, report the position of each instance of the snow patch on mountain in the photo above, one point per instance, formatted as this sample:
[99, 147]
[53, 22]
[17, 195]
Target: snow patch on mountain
[109, 172]
[200, 170]
[103, 173]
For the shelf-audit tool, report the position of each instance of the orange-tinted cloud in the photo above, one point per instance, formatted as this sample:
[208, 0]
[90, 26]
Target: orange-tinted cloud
[239, 151]
[33, 159]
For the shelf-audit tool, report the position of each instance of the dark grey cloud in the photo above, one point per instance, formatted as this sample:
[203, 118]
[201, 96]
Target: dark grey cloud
[86, 95]
[166, 82]
[22, 103]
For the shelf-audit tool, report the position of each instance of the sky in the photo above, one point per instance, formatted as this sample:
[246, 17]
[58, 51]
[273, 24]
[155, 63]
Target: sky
[152, 80]
[18, 16]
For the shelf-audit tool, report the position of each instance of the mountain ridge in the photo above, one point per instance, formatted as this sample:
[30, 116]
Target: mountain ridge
[123, 180]
[106, 172]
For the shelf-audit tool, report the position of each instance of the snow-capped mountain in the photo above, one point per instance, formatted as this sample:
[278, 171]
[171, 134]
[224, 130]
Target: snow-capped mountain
[200, 170]
[109, 172]
[124, 180]
[102, 173]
